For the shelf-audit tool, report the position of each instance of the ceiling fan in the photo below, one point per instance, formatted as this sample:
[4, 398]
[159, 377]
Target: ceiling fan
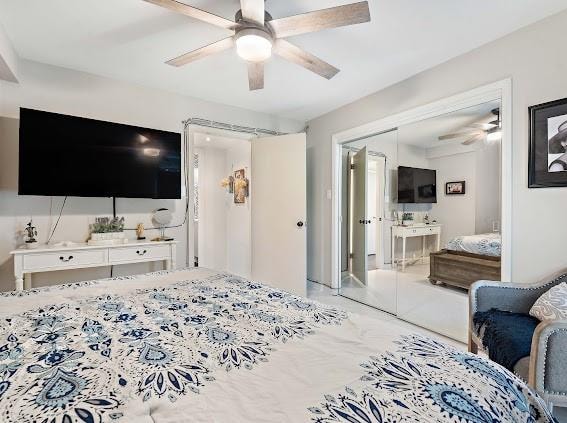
[489, 128]
[256, 35]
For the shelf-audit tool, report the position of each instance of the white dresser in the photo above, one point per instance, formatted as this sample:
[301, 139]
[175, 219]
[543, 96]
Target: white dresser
[79, 256]
[422, 230]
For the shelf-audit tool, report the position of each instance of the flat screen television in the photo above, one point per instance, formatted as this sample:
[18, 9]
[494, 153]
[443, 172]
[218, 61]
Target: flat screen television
[72, 156]
[416, 185]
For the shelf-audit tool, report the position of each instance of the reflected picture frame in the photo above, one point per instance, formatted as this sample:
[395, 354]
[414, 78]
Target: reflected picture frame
[455, 188]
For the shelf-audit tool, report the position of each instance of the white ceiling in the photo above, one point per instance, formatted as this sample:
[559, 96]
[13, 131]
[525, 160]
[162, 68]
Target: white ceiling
[130, 40]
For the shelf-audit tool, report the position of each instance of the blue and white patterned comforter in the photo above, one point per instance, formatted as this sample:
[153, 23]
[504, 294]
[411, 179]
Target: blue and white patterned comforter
[201, 346]
[484, 244]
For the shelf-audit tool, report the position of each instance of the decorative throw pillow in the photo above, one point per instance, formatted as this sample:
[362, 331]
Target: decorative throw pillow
[552, 305]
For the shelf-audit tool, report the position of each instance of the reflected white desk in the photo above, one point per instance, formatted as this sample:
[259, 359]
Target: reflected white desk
[422, 230]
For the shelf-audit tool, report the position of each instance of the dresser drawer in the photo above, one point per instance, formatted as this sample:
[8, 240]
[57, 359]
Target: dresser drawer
[139, 253]
[428, 230]
[64, 259]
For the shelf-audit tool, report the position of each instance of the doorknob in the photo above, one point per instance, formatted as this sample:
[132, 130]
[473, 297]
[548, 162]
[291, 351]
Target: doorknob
[300, 224]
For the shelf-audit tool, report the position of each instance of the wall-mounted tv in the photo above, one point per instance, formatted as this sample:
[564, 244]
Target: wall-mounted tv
[72, 156]
[416, 185]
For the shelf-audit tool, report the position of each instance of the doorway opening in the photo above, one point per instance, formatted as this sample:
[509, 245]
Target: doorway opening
[221, 213]
[258, 234]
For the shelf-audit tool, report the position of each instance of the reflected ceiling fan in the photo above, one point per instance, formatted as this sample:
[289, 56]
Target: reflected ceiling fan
[489, 128]
[255, 34]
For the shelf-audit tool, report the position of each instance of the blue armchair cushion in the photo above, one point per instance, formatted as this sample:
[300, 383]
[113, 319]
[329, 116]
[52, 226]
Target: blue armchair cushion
[506, 336]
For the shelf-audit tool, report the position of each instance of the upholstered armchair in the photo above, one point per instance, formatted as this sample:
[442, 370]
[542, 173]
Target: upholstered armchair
[545, 369]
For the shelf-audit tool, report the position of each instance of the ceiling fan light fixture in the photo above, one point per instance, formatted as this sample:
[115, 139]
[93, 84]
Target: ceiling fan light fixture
[253, 45]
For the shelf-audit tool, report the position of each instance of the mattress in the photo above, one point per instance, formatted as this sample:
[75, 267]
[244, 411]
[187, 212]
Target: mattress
[489, 244]
[203, 346]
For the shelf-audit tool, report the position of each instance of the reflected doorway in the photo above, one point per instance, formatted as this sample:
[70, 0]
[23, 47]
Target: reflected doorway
[368, 275]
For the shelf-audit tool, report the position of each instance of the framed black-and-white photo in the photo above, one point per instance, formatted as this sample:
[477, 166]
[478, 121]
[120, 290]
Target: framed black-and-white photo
[548, 145]
[455, 188]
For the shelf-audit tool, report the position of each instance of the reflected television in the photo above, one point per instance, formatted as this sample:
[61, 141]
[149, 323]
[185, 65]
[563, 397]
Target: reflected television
[417, 185]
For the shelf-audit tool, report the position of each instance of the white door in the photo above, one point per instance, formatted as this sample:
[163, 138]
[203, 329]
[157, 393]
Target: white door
[359, 217]
[279, 250]
[379, 217]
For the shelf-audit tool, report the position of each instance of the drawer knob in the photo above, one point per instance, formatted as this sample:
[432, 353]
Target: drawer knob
[69, 258]
[141, 253]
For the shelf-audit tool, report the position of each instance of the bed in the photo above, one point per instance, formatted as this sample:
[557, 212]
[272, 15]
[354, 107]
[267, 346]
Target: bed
[467, 259]
[201, 346]
[489, 244]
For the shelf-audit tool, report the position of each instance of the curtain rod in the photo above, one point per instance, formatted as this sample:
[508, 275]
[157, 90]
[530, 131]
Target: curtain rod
[229, 127]
[370, 152]
[374, 134]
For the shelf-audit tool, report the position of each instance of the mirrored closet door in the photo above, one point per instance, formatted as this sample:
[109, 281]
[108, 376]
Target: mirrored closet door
[420, 216]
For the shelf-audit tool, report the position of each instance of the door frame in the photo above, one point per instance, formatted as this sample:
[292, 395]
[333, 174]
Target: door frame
[191, 130]
[500, 90]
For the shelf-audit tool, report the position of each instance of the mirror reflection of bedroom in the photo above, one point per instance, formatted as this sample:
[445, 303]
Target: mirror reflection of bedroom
[421, 207]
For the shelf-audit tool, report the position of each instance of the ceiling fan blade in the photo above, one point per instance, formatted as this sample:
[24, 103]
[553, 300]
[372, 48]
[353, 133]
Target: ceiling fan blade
[302, 58]
[333, 17]
[202, 52]
[193, 12]
[253, 11]
[472, 140]
[457, 135]
[483, 126]
[255, 75]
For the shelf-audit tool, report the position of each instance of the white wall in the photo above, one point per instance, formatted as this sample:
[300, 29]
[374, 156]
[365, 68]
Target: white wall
[238, 216]
[212, 209]
[488, 205]
[224, 227]
[530, 57]
[61, 90]
[475, 211]
[455, 212]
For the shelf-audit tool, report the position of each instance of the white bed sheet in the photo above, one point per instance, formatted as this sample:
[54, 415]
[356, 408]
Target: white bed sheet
[201, 346]
[489, 244]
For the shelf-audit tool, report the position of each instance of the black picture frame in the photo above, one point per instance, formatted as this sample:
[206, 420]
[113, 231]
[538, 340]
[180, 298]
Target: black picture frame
[543, 155]
[462, 190]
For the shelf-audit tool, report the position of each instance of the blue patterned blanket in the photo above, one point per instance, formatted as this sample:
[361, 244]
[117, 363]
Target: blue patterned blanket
[196, 345]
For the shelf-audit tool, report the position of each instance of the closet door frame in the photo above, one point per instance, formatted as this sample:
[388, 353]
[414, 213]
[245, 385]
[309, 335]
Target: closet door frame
[501, 91]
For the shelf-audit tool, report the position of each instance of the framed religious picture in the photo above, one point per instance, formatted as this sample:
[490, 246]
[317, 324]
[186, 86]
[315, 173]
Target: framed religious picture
[455, 188]
[548, 145]
[240, 186]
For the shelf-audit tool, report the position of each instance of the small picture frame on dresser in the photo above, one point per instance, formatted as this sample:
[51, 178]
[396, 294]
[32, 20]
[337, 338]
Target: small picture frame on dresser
[455, 188]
